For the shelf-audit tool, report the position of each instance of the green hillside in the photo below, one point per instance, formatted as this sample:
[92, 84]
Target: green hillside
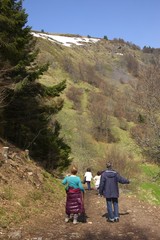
[86, 103]
[102, 118]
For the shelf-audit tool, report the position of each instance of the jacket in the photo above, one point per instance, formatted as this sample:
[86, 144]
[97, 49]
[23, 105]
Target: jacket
[109, 183]
[73, 181]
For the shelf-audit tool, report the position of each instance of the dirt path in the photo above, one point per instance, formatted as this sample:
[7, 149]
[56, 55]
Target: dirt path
[138, 220]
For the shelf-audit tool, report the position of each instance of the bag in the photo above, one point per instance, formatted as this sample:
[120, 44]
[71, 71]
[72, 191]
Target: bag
[84, 180]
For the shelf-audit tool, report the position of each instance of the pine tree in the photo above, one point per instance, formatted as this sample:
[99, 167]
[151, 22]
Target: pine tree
[17, 52]
[27, 107]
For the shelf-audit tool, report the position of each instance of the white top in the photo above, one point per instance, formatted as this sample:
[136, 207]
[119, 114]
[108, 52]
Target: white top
[97, 180]
[88, 176]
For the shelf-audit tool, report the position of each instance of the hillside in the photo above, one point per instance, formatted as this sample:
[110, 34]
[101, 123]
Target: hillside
[106, 112]
[102, 119]
[98, 107]
[26, 189]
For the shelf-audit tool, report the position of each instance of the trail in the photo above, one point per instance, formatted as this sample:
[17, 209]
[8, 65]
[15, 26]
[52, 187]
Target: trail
[138, 220]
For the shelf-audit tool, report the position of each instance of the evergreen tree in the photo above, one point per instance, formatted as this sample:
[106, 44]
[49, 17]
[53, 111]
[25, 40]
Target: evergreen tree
[27, 107]
[17, 52]
[105, 37]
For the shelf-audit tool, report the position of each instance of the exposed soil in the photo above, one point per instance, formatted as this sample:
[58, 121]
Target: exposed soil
[138, 220]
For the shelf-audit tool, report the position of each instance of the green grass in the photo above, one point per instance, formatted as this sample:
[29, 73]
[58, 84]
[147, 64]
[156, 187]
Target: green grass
[125, 141]
[77, 125]
[149, 188]
[150, 170]
[150, 192]
[7, 193]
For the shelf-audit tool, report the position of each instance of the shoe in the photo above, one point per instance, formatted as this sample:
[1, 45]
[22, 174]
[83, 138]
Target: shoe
[110, 220]
[116, 220]
[66, 220]
[75, 221]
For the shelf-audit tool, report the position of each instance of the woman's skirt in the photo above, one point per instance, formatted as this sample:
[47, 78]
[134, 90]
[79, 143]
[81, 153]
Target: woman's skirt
[74, 201]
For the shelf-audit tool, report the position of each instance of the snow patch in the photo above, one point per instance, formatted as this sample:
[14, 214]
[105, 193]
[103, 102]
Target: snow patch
[66, 41]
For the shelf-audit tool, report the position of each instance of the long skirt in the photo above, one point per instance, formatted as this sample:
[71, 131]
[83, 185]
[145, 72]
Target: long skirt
[74, 201]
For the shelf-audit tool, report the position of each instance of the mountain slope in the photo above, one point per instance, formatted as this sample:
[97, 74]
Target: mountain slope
[96, 73]
[102, 116]
[98, 117]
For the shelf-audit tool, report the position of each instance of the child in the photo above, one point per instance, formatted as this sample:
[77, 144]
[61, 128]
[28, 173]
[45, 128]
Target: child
[97, 180]
[74, 190]
[88, 178]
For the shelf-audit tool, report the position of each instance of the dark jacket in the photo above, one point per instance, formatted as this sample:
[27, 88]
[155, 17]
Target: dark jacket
[109, 183]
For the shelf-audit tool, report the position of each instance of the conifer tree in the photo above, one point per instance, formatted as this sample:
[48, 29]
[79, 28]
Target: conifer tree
[26, 106]
[17, 52]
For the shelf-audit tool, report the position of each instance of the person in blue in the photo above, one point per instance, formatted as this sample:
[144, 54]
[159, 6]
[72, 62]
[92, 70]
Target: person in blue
[110, 190]
[74, 199]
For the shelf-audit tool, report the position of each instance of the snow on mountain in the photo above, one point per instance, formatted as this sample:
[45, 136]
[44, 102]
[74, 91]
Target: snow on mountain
[65, 40]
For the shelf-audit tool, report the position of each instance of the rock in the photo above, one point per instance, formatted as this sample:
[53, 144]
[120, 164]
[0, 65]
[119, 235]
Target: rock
[129, 211]
[130, 233]
[15, 235]
[133, 220]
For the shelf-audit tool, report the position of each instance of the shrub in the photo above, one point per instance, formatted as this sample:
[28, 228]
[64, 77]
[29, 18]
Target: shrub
[132, 64]
[123, 124]
[122, 161]
[105, 37]
[75, 94]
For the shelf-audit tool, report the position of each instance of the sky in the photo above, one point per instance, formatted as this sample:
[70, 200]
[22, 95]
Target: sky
[135, 21]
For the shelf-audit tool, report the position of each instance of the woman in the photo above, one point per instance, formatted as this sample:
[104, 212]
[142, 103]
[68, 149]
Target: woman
[74, 200]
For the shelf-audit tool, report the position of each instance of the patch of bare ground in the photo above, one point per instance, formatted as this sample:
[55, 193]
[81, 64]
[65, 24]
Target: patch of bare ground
[138, 220]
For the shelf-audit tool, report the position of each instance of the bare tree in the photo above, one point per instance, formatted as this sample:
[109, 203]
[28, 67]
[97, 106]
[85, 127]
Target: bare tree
[148, 101]
[100, 112]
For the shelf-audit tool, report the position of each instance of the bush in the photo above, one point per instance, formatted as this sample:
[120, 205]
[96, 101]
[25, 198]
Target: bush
[75, 94]
[132, 64]
[105, 37]
[122, 161]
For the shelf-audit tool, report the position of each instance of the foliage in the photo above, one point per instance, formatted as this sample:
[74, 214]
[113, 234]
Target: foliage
[100, 111]
[132, 64]
[147, 97]
[17, 46]
[105, 37]
[122, 161]
[7, 193]
[27, 106]
[75, 95]
[149, 186]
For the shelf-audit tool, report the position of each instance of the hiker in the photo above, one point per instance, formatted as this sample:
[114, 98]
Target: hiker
[74, 197]
[110, 190]
[97, 181]
[88, 177]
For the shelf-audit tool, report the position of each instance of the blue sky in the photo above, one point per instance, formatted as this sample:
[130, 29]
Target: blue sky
[136, 21]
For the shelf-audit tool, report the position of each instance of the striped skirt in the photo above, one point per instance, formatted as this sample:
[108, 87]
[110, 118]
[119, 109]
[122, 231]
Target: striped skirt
[74, 201]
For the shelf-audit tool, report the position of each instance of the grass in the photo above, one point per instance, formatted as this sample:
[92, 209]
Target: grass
[150, 170]
[7, 193]
[26, 202]
[149, 188]
[77, 125]
[125, 141]
[150, 192]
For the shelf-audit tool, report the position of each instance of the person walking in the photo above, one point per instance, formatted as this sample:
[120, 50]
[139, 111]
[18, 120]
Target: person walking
[88, 177]
[74, 197]
[97, 179]
[110, 190]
